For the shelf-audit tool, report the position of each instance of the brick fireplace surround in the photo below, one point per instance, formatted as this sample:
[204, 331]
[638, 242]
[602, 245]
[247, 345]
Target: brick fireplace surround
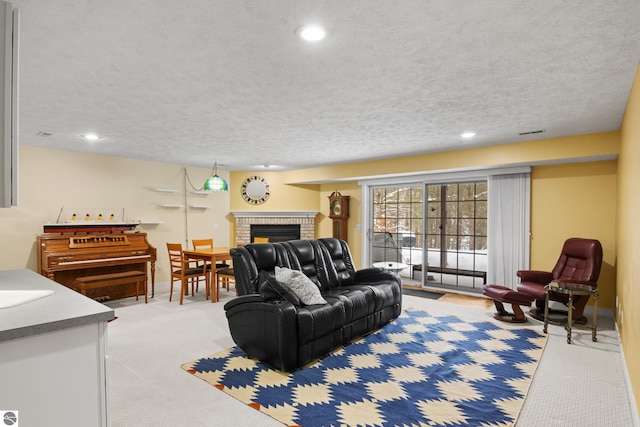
[244, 220]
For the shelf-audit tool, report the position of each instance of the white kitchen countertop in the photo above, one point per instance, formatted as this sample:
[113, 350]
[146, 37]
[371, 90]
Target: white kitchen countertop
[49, 311]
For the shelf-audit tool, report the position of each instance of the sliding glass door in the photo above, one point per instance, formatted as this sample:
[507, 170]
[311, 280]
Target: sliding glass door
[451, 229]
[456, 235]
[444, 245]
[397, 226]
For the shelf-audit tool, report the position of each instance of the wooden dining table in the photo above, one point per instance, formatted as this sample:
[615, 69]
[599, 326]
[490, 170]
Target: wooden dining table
[220, 253]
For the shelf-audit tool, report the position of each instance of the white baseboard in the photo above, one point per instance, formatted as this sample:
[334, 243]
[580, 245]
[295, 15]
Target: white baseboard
[632, 400]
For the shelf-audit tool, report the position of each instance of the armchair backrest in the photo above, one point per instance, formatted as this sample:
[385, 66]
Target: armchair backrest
[580, 259]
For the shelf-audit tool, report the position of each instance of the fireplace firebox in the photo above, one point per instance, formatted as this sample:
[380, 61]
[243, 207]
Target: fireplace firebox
[276, 232]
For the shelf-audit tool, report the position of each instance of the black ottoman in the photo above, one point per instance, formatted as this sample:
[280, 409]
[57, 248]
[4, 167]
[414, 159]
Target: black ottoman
[500, 294]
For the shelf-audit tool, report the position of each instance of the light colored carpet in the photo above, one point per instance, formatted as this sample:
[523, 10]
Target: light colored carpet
[582, 384]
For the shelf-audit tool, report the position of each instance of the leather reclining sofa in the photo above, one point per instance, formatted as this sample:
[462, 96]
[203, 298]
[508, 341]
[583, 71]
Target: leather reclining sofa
[287, 336]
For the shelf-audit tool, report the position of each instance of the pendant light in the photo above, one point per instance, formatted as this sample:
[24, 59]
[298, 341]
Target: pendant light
[214, 182]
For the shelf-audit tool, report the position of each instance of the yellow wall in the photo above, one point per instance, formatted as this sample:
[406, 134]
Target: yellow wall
[628, 237]
[557, 212]
[50, 180]
[575, 200]
[559, 150]
[568, 200]
[354, 237]
[283, 196]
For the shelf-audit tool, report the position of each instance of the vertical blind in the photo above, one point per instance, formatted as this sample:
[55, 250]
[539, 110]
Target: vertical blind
[509, 218]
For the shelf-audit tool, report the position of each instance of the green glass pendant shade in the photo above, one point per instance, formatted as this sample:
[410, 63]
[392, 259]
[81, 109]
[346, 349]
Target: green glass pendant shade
[215, 183]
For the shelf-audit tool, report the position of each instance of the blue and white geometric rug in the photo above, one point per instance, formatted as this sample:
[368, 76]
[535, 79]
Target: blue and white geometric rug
[420, 370]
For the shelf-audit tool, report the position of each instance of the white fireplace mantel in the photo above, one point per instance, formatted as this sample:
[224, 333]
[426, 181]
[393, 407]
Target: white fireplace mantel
[275, 214]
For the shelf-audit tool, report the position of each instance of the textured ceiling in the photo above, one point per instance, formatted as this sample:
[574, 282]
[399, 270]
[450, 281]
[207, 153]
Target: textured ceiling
[197, 81]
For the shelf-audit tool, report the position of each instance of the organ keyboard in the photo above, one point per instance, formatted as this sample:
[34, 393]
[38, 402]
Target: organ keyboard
[65, 257]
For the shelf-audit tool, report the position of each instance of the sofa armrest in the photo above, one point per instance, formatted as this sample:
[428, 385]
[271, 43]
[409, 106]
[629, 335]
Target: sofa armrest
[535, 276]
[374, 274]
[244, 299]
[265, 329]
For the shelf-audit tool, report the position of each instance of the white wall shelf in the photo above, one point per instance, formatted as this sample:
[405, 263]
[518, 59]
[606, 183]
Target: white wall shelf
[200, 206]
[201, 192]
[169, 205]
[150, 222]
[164, 190]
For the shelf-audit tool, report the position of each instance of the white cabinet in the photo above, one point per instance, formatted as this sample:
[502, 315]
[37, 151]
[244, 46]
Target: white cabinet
[53, 355]
[57, 378]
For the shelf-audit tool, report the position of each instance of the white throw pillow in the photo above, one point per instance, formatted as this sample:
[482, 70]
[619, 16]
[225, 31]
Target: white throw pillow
[300, 285]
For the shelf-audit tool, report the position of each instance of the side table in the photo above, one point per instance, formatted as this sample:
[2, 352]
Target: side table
[391, 266]
[571, 289]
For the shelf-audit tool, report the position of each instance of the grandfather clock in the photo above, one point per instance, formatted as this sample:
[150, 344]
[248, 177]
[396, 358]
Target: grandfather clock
[339, 214]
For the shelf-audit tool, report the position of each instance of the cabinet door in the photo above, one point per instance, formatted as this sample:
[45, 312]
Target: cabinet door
[61, 372]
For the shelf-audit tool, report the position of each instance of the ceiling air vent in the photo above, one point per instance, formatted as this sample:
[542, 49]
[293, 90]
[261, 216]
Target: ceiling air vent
[531, 132]
[44, 134]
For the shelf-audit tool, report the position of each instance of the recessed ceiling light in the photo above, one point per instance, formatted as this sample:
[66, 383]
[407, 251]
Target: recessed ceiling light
[312, 33]
[468, 134]
[90, 137]
[266, 166]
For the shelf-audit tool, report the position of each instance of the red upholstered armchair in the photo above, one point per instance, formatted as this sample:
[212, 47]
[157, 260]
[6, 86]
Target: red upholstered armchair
[579, 262]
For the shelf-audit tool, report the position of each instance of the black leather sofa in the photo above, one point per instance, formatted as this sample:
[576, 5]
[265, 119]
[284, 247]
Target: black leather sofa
[287, 336]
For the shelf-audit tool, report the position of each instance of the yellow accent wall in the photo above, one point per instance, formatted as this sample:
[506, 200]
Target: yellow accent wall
[575, 200]
[284, 196]
[558, 150]
[568, 200]
[571, 200]
[628, 237]
[354, 237]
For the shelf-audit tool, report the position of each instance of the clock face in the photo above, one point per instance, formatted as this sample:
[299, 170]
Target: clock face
[336, 208]
[255, 190]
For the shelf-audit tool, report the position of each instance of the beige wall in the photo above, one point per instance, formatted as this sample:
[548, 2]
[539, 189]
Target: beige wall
[628, 237]
[50, 180]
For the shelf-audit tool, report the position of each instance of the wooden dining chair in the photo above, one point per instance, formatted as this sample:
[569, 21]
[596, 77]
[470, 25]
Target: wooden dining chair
[213, 276]
[225, 277]
[182, 270]
[207, 244]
